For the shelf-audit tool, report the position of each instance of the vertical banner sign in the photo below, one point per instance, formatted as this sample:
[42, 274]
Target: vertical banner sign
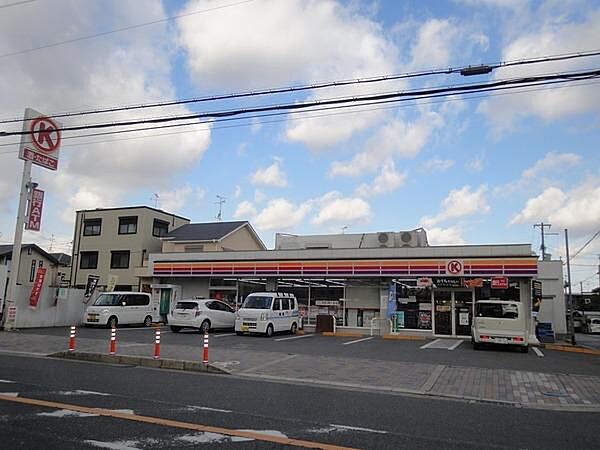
[536, 297]
[41, 142]
[90, 287]
[391, 306]
[112, 282]
[34, 211]
[36, 290]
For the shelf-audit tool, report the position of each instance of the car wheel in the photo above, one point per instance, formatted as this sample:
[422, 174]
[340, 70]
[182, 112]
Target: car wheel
[239, 333]
[525, 349]
[294, 328]
[112, 322]
[205, 327]
[175, 329]
[476, 345]
[148, 321]
[269, 331]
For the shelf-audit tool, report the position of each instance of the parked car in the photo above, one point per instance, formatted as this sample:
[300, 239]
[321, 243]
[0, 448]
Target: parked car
[593, 325]
[500, 322]
[268, 313]
[112, 308]
[201, 314]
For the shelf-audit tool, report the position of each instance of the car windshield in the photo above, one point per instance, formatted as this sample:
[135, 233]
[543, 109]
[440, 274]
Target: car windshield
[257, 302]
[186, 305]
[497, 310]
[108, 300]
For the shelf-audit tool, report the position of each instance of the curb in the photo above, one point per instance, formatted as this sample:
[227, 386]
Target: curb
[572, 349]
[191, 366]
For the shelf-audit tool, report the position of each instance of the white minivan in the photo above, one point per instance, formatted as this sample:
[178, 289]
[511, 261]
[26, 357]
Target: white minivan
[268, 313]
[113, 308]
[500, 322]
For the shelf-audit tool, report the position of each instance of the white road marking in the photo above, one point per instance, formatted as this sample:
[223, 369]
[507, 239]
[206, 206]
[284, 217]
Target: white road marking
[455, 345]
[139, 328]
[431, 343]
[119, 445]
[10, 394]
[367, 430]
[221, 335]
[206, 408]
[359, 340]
[6, 381]
[81, 392]
[538, 352]
[270, 363]
[295, 337]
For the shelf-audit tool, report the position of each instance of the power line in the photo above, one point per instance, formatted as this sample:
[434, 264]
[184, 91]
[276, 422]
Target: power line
[118, 30]
[345, 102]
[319, 85]
[586, 244]
[8, 5]
[440, 98]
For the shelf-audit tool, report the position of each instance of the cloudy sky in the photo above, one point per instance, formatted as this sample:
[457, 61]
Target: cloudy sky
[469, 169]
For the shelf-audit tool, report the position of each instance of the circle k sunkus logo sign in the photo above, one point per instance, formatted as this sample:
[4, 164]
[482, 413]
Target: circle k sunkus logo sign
[454, 267]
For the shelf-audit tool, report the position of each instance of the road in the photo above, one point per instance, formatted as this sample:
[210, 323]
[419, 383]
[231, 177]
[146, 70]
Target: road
[317, 414]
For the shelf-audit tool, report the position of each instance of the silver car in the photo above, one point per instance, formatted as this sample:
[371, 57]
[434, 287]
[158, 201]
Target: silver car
[201, 314]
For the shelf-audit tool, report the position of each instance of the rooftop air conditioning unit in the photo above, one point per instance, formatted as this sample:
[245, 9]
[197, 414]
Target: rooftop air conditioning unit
[385, 239]
[408, 239]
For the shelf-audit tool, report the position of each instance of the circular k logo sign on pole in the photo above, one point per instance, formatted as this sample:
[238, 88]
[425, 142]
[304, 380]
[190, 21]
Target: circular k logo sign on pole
[44, 134]
[454, 267]
[40, 142]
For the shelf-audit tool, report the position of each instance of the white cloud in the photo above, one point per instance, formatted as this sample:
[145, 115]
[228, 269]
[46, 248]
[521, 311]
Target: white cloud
[174, 200]
[551, 34]
[445, 236]
[434, 45]
[388, 180]
[460, 203]
[272, 175]
[550, 162]
[577, 209]
[124, 68]
[238, 191]
[396, 139]
[336, 209]
[259, 196]
[299, 41]
[438, 165]
[476, 163]
[245, 210]
[280, 214]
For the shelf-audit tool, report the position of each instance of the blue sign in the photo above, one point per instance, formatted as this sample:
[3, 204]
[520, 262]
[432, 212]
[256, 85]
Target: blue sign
[391, 309]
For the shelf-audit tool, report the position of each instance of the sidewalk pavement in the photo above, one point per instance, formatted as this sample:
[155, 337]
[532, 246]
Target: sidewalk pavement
[557, 391]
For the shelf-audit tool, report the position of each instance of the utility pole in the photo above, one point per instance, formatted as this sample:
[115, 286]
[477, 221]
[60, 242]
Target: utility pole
[155, 197]
[570, 327]
[542, 225]
[220, 202]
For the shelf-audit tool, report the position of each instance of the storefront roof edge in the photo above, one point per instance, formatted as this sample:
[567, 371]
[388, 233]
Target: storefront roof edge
[462, 251]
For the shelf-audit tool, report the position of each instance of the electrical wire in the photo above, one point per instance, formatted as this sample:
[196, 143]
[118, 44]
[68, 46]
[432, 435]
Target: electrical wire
[585, 245]
[438, 99]
[315, 86]
[118, 30]
[348, 101]
[22, 2]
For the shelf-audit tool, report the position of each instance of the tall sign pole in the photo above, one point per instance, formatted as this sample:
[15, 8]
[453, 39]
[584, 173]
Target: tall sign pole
[40, 144]
[570, 326]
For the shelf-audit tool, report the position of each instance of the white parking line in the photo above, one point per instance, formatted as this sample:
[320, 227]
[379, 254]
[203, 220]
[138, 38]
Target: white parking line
[358, 340]
[431, 343]
[455, 345]
[139, 328]
[367, 430]
[295, 337]
[538, 352]
[221, 335]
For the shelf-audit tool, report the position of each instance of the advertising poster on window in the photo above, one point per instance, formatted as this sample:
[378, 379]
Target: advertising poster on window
[399, 320]
[391, 305]
[463, 318]
[424, 320]
[536, 297]
[90, 287]
[36, 290]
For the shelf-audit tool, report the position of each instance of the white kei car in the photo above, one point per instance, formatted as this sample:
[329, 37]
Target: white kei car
[201, 314]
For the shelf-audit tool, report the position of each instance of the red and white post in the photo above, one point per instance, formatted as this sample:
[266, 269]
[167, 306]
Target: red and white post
[113, 341]
[72, 339]
[157, 344]
[205, 355]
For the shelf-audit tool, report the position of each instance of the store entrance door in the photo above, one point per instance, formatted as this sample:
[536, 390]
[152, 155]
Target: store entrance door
[453, 313]
[442, 317]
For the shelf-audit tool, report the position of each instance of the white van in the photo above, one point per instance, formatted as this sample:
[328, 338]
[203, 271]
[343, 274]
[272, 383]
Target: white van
[268, 313]
[112, 308]
[500, 322]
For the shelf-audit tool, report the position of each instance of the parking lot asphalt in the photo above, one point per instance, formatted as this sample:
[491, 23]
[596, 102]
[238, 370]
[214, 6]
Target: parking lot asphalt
[445, 368]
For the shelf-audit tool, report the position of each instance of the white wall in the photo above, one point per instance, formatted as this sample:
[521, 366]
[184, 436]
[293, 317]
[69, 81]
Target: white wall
[553, 308]
[68, 311]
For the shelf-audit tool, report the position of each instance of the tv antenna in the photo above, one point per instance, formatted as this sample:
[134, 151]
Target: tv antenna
[344, 228]
[220, 202]
[155, 197]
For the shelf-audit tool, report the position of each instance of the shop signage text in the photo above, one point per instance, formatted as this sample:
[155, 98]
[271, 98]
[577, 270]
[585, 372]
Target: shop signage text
[34, 214]
[448, 282]
[499, 283]
[36, 290]
[40, 142]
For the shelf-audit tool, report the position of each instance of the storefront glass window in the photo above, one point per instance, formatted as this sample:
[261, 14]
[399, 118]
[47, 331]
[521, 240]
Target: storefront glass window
[413, 309]
[486, 292]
